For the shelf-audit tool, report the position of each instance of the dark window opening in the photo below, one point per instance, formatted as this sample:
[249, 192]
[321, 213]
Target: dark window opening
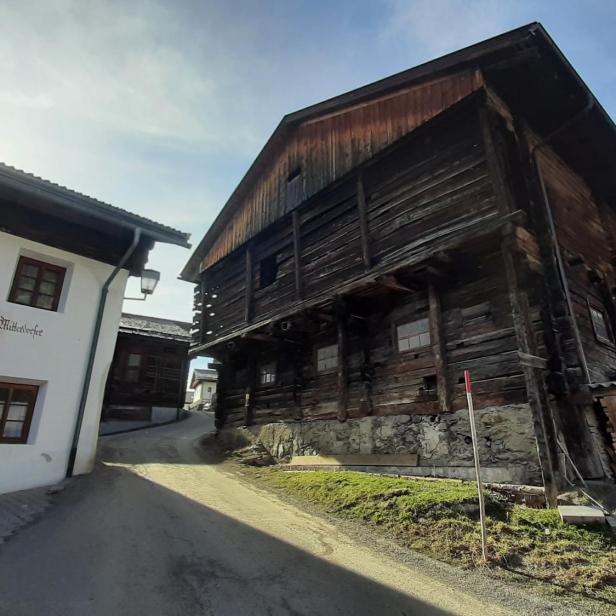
[268, 271]
[37, 284]
[429, 382]
[294, 186]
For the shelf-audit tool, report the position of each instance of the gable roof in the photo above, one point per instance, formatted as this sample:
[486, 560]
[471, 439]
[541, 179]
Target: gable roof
[202, 374]
[524, 64]
[154, 327]
[76, 203]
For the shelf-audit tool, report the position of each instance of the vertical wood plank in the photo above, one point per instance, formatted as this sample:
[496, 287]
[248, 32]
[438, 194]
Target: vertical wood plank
[343, 369]
[248, 315]
[297, 255]
[249, 392]
[505, 202]
[537, 397]
[203, 319]
[363, 224]
[438, 348]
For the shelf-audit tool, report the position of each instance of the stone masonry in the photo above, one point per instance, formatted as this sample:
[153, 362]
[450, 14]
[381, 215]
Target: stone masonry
[507, 446]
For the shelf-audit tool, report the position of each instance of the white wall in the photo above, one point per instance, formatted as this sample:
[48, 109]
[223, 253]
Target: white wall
[56, 360]
[201, 391]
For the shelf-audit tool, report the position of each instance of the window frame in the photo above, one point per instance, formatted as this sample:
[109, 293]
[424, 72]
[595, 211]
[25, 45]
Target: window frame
[27, 422]
[596, 307]
[137, 370]
[329, 369]
[270, 371]
[409, 321]
[42, 266]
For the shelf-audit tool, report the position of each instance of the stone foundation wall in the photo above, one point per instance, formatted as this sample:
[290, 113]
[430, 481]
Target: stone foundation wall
[507, 446]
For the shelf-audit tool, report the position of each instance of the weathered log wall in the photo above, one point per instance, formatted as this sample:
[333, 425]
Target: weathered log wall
[417, 197]
[585, 230]
[325, 148]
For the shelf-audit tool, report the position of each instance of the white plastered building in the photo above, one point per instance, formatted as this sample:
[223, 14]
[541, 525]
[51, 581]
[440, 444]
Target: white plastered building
[64, 262]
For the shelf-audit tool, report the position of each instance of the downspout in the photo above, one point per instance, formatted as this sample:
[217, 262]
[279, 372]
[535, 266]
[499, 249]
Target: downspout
[554, 238]
[93, 345]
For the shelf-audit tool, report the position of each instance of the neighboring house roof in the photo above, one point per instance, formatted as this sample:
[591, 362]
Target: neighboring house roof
[201, 375]
[155, 327]
[76, 203]
[524, 64]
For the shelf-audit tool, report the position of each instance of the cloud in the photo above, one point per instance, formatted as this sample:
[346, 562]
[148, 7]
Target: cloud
[159, 107]
[432, 28]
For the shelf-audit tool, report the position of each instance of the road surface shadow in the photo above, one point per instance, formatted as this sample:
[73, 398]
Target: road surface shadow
[117, 543]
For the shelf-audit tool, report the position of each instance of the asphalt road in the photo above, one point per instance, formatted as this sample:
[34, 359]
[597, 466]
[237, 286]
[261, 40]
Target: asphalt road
[155, 531]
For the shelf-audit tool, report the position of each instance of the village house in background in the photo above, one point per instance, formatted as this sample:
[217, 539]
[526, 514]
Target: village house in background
[65, 261]
[458, 215]
[203, 383]
[147, 378]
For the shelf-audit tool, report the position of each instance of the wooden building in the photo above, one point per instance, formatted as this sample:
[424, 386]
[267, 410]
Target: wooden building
[458, 215]
[148, 375]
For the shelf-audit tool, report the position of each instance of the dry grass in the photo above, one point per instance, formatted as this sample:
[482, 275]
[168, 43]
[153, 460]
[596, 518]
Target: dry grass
[440, 518]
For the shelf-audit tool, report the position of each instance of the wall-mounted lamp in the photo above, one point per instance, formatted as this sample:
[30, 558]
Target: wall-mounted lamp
[149, 280]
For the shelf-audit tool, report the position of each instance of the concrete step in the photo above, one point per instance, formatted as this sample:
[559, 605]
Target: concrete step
[581, 514]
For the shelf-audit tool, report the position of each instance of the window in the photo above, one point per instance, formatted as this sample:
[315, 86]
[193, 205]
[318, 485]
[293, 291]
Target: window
[294, 187]
[267, 374]
[268, 270]
[327, 358]
[413, 335]
[600, 324]
[133, 368]
[16, 408]
[209, 390]
[37, 284]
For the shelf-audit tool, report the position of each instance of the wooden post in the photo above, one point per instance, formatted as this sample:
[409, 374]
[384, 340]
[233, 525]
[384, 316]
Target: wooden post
[482, 506]
[249, 392]
[343, 371]
[537, 398]
[438, 348]
[203, 319]
[297, 383]
[297, 255]
[363, 224]
[248, 284]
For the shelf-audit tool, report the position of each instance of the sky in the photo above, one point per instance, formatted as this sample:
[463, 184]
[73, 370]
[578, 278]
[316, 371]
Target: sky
[159, 107]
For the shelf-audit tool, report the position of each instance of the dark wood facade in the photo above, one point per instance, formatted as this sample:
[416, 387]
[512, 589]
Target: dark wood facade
[470, 231]
[149, 369]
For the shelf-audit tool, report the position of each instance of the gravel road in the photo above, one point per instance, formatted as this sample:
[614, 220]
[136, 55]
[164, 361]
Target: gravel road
[155, 531]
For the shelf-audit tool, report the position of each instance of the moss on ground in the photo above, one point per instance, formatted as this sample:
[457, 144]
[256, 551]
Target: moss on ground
[440, 518]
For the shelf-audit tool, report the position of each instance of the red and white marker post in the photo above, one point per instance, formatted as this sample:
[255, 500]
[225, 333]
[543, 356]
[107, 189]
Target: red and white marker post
[482, 507]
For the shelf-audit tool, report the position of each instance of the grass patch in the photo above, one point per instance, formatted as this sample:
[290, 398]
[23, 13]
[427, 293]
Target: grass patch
[440, 518]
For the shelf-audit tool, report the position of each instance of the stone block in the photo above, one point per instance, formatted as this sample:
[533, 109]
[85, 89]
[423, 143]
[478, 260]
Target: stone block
[581, 514]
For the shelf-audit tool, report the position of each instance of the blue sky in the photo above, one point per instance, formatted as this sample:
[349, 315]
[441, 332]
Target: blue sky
[160, 107]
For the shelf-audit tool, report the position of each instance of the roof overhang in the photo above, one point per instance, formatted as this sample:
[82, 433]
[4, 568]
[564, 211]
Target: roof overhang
[40, 194]
[524, 66]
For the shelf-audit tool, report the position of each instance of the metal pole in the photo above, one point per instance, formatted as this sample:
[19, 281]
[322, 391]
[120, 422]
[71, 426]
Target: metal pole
[92, 352]
[482, 507]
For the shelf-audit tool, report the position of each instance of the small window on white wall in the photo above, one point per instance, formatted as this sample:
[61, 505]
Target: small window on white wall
[413, 335]
[327, 358]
